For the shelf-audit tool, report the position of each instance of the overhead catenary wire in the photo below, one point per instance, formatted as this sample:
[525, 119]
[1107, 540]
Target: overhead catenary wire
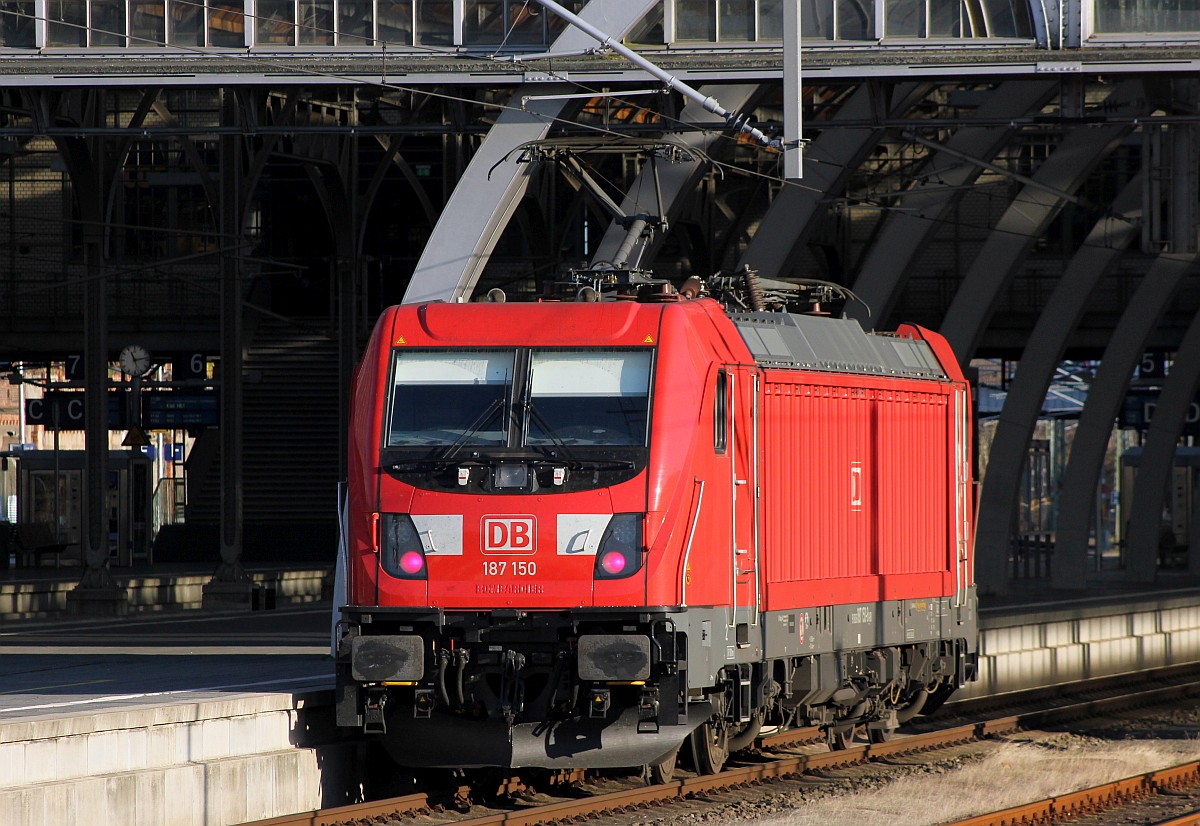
[710, 104]
[275, 62]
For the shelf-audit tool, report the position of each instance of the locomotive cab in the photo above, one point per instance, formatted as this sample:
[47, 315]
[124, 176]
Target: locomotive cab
[507, 540]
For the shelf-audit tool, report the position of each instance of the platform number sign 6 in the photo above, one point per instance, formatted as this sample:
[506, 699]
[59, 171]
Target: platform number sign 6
[189, 366]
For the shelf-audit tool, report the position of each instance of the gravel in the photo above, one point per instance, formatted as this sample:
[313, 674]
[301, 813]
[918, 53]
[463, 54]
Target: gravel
[971, 779]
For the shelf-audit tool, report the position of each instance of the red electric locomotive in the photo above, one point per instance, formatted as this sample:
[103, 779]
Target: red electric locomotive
[579, 533]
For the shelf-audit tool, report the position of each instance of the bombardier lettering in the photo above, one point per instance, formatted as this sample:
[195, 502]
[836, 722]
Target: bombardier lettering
[521, 588]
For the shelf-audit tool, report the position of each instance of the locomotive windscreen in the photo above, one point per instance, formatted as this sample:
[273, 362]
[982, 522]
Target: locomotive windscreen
[471, 397]
[588, 398]
[443, 398]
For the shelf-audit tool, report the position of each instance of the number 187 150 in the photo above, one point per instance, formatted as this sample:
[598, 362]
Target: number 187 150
[503, 567]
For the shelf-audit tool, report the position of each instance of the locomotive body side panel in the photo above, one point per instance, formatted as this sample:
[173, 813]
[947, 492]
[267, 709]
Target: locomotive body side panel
[858, 479]
[914, 482]
[865, 466]
[690, 520]
[366, 411]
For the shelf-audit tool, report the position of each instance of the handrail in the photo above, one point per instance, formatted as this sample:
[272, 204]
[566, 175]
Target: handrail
[169, 501]
[687, 551]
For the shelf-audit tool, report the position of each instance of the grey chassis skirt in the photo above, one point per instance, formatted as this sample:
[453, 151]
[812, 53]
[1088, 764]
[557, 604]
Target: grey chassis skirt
[449, 742]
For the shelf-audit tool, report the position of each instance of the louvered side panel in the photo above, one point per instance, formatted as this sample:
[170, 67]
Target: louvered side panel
[914, 485]
[818, 496]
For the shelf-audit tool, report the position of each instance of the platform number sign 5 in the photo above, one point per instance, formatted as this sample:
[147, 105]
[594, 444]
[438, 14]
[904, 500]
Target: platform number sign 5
[1153, 365]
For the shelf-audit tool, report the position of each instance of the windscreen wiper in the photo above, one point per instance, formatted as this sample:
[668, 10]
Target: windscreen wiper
[475, 426]
[569, 458]
[541, 422]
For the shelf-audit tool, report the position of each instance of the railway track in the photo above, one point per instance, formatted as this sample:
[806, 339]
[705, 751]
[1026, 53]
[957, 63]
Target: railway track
[1107, 799]
[770, 769]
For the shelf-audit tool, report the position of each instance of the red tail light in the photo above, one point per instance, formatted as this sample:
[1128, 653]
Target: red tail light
[400, 551]
[620, 552]
[412, 562]
[613, 563]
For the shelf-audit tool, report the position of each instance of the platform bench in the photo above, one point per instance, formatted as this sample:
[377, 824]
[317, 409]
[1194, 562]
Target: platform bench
[35, 540]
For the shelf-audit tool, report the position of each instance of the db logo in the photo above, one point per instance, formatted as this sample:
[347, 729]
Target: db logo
[509, 534]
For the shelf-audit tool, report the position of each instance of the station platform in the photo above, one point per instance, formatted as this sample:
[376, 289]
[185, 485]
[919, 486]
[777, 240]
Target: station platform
[168, 716]
[41, 592]
[1029, 597]
[1034, 635]
[202, 718]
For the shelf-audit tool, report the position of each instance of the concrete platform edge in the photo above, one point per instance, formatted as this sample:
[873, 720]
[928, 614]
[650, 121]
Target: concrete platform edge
[46, 594]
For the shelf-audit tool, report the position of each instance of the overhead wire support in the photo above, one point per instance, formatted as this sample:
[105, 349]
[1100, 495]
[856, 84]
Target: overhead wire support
[525, 99]
[710, 104]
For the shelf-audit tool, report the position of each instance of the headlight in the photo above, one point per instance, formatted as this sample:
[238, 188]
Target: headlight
[614, 657]
[620, 552]
[392, 658]
[400, 550]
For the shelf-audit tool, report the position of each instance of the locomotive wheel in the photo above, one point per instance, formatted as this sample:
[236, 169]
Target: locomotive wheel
[662, 771]
[880, 735]
[710, 747]
[839, 737]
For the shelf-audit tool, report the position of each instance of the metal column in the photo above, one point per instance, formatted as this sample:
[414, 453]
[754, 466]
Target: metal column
[1158, 457]
[97, 592]
[1125, 349]
[829, 159]
[1035, 206]
[230, 583]
[677, 181]
[488, 193]
[1043, 351]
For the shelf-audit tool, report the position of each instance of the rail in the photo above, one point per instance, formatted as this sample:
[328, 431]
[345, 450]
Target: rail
[588, 806]
[1100, 798]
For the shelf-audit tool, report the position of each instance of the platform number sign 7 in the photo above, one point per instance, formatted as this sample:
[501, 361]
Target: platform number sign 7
[189, 366]
[73, 367]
